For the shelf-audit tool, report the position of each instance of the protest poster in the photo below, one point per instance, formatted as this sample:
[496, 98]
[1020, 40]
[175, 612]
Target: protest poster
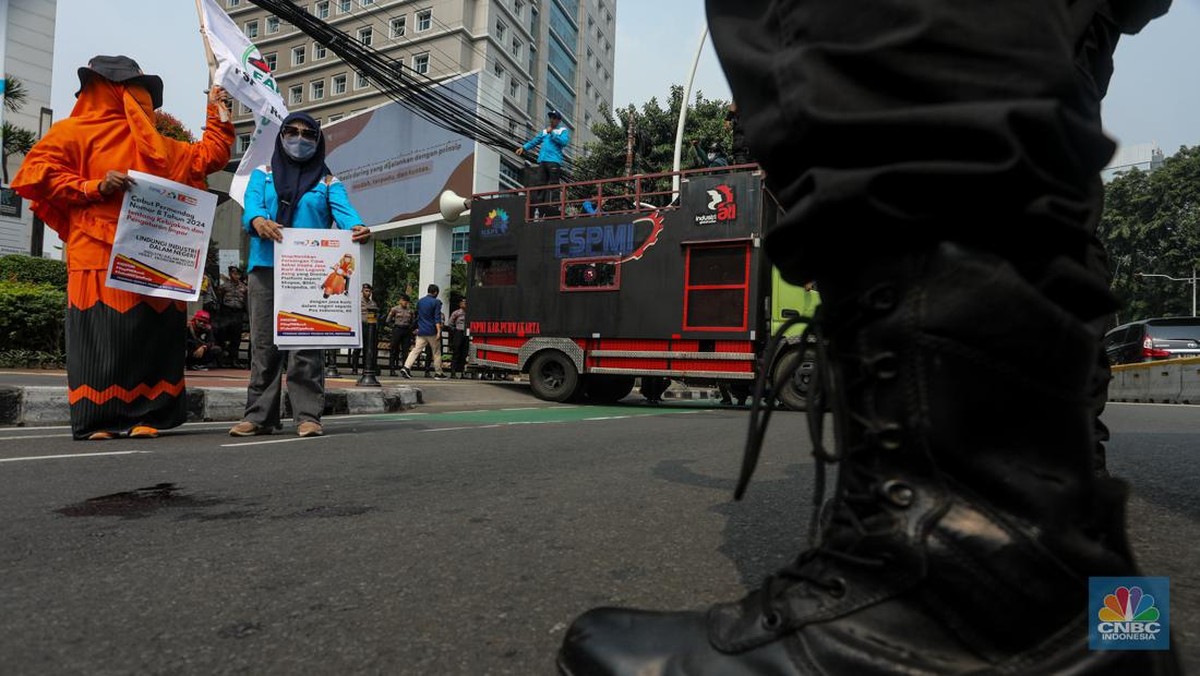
[162, 238]
[318, 277]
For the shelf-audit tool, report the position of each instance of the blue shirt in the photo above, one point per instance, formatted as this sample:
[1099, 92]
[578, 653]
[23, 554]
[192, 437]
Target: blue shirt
[552, 144]
[429, 315]
[318, 208]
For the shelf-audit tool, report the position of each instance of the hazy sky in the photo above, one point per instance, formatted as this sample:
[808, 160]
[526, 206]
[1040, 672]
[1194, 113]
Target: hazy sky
[1155, 95]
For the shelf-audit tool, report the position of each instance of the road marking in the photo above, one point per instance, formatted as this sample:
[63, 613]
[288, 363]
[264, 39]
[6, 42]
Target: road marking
[465, 427]
[270, 441]
[37, 436]
[514, 423]
[1146, 403]
[73, 455]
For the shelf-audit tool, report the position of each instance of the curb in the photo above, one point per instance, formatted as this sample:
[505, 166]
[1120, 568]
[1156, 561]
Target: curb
[42, 405]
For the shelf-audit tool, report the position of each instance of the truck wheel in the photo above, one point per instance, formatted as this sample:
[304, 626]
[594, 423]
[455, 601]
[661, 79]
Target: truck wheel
[608, 389]
[792, 378]
[553, 377]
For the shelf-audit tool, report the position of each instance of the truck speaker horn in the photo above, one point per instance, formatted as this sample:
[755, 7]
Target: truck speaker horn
[453, 205]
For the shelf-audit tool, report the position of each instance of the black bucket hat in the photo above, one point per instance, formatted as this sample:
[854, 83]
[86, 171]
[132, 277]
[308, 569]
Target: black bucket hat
[124, 70]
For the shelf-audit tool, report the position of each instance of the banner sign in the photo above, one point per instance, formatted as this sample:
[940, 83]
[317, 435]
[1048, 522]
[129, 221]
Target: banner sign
[318, 289]
[404, 175]
[162, 238]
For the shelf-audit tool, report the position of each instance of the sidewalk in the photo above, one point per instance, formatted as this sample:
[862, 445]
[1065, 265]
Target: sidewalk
[39, 397]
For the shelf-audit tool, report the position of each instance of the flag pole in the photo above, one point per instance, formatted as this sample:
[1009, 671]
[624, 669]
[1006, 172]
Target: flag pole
[208, 51]
[209, 56]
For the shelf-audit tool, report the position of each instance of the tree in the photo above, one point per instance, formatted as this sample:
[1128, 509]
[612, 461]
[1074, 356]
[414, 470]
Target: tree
[17, 140]
[395, 273]
[1151, 224]
[654, 142]
[168, 125]
[15, 94]
[654, 137]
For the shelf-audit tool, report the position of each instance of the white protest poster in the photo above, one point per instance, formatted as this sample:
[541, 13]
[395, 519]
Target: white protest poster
[161, 239]
[317, 289]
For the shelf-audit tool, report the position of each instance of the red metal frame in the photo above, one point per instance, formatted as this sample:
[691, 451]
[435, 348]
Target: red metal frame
[635, 190]
[744, 286]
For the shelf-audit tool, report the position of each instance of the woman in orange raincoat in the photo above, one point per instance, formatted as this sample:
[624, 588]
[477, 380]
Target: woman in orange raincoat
[125, 351]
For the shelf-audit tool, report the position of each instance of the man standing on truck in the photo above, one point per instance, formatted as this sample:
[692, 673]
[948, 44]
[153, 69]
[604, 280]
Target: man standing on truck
[968, 532]
[553, 140]
[429, 334]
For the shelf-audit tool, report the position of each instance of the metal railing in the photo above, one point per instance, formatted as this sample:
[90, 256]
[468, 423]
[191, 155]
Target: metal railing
[609, 196]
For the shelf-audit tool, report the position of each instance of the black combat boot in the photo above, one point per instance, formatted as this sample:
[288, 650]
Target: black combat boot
[966, 519]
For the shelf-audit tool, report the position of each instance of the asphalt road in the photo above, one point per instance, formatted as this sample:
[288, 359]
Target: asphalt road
[461, 538]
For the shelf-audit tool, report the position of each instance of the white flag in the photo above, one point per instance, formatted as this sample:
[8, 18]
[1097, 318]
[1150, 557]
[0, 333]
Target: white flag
[243, 73]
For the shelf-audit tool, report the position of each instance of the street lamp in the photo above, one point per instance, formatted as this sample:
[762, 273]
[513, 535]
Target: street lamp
[1191, 279]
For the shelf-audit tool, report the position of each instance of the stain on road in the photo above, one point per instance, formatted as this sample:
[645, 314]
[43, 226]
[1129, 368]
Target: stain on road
[138, 503]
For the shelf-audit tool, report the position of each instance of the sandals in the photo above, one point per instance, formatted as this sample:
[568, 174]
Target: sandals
[138, 432]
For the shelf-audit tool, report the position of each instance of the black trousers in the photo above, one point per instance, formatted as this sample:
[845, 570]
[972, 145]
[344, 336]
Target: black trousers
[458, 351]
[398, 349]
[913, 121]
[545, 173]
[232, 323]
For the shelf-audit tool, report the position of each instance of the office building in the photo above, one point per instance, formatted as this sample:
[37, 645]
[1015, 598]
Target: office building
[532, 56]
[26, 54]
[1145, 157]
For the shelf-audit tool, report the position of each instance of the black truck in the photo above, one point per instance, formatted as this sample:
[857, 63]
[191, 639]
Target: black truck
[607, 287]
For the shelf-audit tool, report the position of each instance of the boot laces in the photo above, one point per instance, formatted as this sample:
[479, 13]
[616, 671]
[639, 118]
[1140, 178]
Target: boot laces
[854, 499]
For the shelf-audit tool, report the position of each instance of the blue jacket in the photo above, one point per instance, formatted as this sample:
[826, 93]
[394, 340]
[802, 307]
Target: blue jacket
[318, 208]
[552, 144]
[429, 315]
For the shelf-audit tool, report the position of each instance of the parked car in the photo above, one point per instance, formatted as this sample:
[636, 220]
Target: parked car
[1152, 339]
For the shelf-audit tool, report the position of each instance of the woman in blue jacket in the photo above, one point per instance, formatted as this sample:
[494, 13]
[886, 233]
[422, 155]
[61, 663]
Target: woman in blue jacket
[297, 190]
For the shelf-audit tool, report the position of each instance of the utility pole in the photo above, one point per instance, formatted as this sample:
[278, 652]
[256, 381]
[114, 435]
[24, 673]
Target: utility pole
[3, 63]
[629, 126]
[1193, 279]
[683, 110]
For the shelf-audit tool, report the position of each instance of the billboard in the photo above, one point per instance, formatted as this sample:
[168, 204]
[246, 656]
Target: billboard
[396, 164]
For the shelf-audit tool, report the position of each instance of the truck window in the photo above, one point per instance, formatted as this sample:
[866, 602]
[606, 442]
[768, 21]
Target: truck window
[496, 271]
[717, 287]
[590, 275]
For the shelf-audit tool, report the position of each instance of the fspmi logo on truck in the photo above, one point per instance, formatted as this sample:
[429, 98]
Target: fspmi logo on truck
[594, 240]
[722, 206]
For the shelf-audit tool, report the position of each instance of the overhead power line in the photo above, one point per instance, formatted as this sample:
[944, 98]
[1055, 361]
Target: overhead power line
[440, 105]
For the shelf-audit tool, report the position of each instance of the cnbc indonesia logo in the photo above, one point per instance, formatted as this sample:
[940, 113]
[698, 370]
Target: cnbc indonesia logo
[1129, 617]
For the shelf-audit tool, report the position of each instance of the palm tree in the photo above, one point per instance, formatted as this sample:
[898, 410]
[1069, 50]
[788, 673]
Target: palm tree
[15, 94]
[16, 140]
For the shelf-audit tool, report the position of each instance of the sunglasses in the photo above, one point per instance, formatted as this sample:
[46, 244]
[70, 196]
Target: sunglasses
[293, 132]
